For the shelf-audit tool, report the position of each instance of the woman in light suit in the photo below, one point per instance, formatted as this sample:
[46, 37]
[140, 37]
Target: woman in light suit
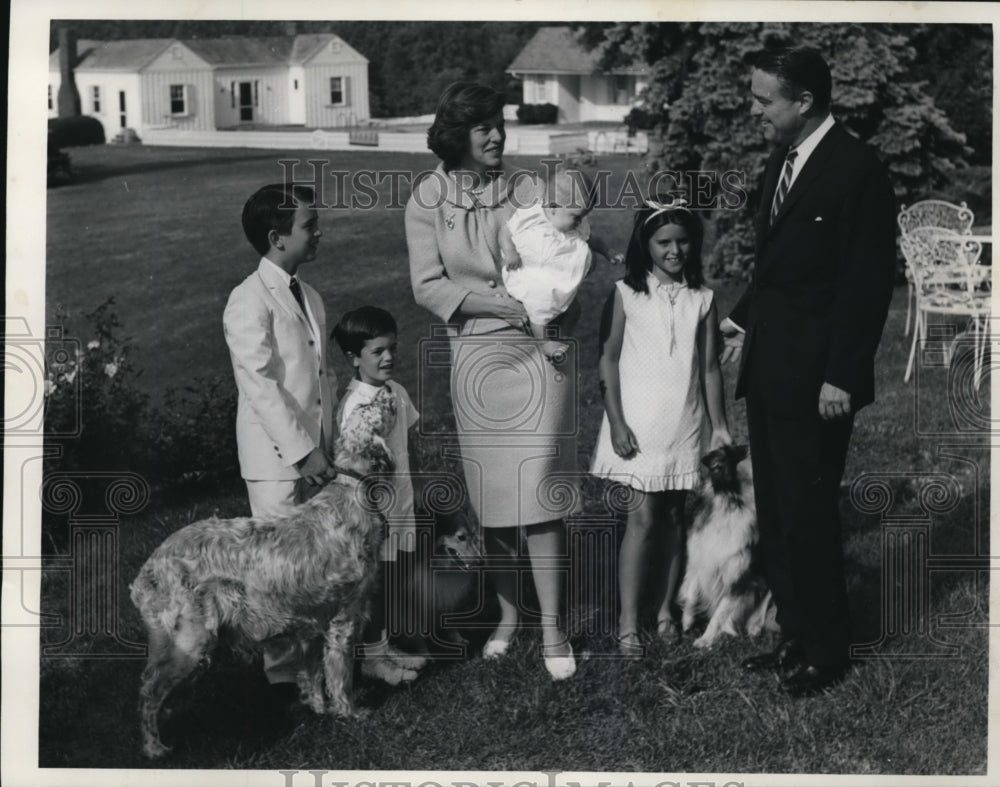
[514, 411]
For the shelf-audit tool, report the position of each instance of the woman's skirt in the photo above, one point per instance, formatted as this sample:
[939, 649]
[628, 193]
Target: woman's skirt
[516, 415]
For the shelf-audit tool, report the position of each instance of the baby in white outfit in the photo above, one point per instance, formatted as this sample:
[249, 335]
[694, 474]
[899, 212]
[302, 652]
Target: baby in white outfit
[547, 252]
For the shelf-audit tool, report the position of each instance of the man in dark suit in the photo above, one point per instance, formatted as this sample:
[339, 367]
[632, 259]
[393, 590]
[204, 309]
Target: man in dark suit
[806, 330]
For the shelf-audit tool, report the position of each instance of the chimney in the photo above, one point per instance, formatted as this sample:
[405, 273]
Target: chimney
[69, 96]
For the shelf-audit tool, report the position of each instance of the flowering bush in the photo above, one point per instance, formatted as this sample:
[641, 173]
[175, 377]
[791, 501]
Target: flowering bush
[92, 406]
[102, 422]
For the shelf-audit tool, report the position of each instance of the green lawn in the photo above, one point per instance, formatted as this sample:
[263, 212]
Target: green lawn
[159, 230]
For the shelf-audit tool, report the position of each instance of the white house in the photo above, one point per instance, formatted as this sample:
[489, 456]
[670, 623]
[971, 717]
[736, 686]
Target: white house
[315, 81]
[556, 69]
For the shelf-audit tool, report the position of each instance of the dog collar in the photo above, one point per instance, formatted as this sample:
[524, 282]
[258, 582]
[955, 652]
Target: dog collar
[349, 477]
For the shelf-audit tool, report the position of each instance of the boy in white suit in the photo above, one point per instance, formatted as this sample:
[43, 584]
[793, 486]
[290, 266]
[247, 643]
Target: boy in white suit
[275, 327]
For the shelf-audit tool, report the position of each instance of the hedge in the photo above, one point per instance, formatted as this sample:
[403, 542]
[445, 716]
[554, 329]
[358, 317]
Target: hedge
[75, 132]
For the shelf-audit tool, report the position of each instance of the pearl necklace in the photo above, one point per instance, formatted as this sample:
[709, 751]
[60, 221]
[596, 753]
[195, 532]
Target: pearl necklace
[481, 189]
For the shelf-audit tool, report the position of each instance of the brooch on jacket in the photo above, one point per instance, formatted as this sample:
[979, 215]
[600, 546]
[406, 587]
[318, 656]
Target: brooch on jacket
[450, 219]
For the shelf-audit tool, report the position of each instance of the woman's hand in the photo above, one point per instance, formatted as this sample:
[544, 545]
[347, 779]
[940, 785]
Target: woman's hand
[623, 441]
[511, 309]
[500, 305]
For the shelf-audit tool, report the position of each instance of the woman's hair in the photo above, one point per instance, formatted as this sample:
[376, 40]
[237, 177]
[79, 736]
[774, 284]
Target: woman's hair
[461, 106]
[648, 220]
[361, 325]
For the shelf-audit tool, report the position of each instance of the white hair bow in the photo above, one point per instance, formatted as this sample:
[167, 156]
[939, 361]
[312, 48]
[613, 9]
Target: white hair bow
[678, 203]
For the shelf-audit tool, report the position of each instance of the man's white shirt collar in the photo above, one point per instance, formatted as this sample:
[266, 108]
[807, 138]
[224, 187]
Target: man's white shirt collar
[805, 148]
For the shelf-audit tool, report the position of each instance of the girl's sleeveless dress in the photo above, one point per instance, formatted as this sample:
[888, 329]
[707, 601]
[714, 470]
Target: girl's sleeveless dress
[660, 387]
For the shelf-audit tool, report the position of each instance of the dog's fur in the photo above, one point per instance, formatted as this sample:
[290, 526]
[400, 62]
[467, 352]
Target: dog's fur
[719, 580]
[446, 583]
[439, 579]
[308, 576]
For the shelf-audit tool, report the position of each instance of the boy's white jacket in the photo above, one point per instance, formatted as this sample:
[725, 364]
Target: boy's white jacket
[286, 392]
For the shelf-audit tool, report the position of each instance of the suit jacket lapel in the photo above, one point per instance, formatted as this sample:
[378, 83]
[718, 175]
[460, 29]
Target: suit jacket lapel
[311, 297]
[282, 294]
[814, 165]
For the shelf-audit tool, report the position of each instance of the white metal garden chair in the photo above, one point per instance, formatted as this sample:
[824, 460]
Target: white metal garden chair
[931, 213]
[948, 280]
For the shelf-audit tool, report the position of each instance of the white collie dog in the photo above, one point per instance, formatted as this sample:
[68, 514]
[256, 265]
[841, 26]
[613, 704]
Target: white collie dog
[719, 580]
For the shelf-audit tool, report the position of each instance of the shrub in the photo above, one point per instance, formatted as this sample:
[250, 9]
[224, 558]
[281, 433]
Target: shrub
[537, 114]
[93, 397]
[75, 132]
[640, 119]
[103, 407]
[194, 433]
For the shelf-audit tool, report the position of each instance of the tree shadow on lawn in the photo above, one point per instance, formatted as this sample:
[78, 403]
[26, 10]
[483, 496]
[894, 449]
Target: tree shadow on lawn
[94, 172]
[892, 619]
[89, 717]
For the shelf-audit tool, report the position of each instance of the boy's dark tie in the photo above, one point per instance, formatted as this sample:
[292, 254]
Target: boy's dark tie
[784, 184]
[293, 285]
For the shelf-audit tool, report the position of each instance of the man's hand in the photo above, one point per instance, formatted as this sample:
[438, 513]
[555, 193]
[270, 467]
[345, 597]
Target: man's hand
[315, 467]
[732, 342]
[833, 402]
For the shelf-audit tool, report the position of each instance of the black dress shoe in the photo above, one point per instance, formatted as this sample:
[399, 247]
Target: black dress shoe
[787, 657]
[809, 680]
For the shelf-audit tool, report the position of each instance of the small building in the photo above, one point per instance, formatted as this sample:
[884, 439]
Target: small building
[315, 81]
[557, 69]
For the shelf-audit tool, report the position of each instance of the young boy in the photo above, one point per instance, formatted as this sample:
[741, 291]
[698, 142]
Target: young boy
[367, 337]
[275, 327]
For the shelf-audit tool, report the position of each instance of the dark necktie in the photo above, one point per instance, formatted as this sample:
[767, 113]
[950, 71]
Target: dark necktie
[293, 285]
[784, 184]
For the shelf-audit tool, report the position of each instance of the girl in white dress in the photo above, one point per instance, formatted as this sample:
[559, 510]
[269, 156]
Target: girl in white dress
[659, 374]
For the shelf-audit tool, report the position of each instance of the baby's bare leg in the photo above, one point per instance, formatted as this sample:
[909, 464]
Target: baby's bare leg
[552, 349]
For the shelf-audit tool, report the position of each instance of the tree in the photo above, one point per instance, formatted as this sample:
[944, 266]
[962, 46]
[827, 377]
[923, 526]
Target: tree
[697, 104]
[961, 86]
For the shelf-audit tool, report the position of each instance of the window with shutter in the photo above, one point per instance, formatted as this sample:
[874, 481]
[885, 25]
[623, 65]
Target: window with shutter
[179, 100]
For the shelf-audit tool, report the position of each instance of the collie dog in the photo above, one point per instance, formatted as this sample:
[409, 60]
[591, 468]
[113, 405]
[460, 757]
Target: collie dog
[441, 580]
[719, 580]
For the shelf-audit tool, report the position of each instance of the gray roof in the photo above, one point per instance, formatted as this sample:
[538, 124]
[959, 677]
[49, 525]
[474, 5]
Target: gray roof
[240, 50]
[134, 54]
[121, 54]
[307, 45]
[556, 50]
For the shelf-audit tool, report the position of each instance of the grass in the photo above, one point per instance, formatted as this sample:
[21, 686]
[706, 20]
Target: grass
[159, 230]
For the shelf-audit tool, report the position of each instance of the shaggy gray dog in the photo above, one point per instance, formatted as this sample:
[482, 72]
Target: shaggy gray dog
[308, 575]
